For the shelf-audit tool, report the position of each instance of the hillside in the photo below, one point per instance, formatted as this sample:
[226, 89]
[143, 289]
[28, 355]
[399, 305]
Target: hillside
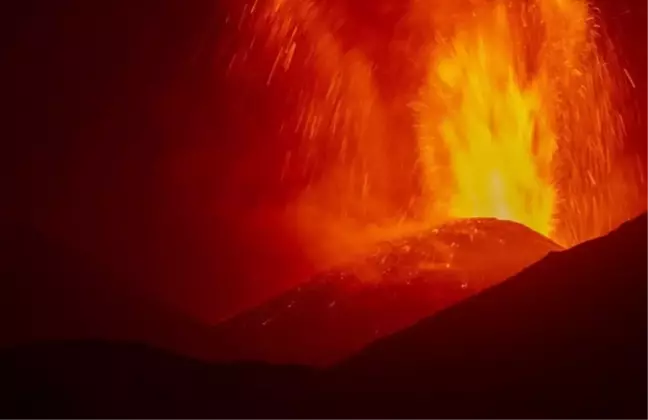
[338, 312]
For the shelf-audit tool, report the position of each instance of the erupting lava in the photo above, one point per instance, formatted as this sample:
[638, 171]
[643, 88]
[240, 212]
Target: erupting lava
[486, 124]
[490, 108]
[522, 113]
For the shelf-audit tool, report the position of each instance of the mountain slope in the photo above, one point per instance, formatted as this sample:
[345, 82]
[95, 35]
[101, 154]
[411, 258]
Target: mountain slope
[49, 292]
[337, 313]
[564, 338]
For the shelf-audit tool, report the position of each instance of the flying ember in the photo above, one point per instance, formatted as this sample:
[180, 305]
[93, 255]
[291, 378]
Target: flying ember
[468, 109]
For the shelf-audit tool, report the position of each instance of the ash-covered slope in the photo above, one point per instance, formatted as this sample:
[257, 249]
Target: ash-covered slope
[564, 338]
[337, 313]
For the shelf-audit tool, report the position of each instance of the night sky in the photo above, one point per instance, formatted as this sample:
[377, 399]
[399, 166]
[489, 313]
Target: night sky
[126, 148]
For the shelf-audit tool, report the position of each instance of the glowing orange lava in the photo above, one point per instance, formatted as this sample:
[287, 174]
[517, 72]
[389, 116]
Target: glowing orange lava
[515, 111]
[520, 116]
[485, 135]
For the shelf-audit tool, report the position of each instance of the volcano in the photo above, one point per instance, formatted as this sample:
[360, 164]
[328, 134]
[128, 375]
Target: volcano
[564, 338]
[338, 312]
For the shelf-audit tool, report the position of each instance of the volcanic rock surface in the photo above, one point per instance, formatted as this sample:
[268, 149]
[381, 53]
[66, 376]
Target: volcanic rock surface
[338, 312]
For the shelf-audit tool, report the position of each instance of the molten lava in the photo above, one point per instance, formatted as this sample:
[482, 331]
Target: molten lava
[490, 108]
[520, 117]
[486, 135]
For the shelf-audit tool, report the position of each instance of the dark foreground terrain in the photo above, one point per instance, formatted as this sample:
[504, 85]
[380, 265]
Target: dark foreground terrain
[564, 338]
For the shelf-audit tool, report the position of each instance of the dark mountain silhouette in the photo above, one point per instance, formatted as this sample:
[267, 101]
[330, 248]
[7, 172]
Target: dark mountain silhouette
[564, 338]
[339, 312]
[50, 292]
[93, 379]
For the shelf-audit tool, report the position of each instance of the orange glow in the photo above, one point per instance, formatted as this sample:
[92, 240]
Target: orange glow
[505, 109]
[485, 133]
[520, 117]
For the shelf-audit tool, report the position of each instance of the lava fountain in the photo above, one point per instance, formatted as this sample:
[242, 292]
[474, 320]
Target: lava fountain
[513, 110]
[520, 116]
[485, 123]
